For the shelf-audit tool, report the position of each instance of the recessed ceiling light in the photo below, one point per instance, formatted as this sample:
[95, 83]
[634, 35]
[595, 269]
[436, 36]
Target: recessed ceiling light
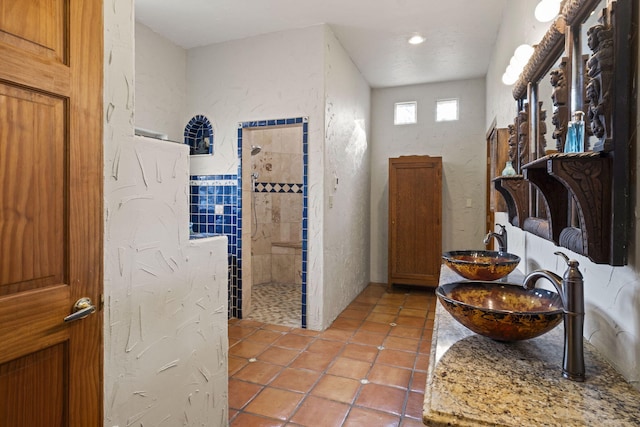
[416, 39]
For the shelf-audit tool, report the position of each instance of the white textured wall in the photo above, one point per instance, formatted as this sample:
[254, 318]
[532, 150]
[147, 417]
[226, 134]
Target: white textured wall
[347, 174]
[282, 75]
[161, 84]
[273, 76]
[462, 146]
[165, 336]
[612, 294]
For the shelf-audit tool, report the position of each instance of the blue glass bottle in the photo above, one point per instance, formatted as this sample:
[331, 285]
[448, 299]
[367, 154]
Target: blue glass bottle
[575, 134]
[578, 120]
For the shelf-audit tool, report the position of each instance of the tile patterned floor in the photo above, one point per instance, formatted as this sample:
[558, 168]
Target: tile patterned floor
[277, 304]
[367, 369]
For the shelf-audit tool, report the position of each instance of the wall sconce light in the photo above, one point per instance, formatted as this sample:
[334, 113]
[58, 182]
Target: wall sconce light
[516, 64]
[546, 10]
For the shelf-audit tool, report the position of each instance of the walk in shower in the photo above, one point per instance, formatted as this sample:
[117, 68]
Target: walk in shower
[272, 258]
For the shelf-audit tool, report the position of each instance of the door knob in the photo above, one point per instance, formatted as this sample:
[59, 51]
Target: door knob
[82, 308]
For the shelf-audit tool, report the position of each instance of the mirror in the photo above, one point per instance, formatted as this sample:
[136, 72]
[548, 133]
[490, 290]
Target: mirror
[591, 33]
[579, 200]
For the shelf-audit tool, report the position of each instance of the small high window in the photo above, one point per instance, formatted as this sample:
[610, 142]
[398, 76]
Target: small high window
[446, 110]
[405, 113]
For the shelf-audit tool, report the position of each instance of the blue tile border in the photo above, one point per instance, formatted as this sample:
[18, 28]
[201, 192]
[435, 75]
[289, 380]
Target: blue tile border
[278, 188]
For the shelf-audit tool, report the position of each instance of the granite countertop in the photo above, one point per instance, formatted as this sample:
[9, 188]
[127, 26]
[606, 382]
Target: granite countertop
[473, 380]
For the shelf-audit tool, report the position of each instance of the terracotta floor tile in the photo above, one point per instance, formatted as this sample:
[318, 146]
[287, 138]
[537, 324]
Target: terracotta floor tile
[349, 368]
[360, 306]
[238, 332]
[367, 299]
[247, 349]
[360, 352]
[249, 420]
[336, 334]
[422, 362]
[381, 398]
[360, 417]
[419, 381]
[367, 338]
[429, 324]
[381, 318]
[393, 298]
[386, 309]
[312, 361]
[376, 289]
[293, 341]
[236, 363]
[410, 422]
[232, 413]
[401, 359]
[314, 378]
[425, 346]
[419, 302]
[305, 332]
[277, 328]
[246, 323]
[344, 323]
[413, 312]
[389, 375]
[416, 322]
[354, 314]
[376, 328]
[264, 336]
[300, 380]
[415, 402]
[330, 348]
[399, 343]
[278, 355]
[274, 403]
[336, 388]
[318, 412]
[240, 392]
[258, 372]
[406, 332]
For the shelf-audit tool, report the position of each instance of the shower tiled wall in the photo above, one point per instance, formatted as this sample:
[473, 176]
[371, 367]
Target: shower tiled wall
[281, 196]
[214, 211]
[277, 242]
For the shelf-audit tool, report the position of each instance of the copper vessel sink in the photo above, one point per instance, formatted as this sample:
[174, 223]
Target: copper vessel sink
[481, 265]
[501, 311]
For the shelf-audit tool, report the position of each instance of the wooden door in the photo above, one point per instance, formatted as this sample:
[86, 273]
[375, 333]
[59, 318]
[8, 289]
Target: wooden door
[415, 220]
[51, 172]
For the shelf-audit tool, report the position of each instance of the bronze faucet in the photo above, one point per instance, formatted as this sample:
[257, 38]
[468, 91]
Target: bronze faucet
[501, 237]
[571, 290]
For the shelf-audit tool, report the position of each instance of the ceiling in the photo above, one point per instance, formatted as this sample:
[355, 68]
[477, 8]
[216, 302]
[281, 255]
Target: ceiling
[460, 33]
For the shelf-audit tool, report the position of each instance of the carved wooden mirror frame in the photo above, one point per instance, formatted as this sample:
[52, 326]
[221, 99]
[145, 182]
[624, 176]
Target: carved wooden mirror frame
[578, 200]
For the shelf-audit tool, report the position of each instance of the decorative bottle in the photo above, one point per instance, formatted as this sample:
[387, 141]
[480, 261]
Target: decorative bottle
[508, 169]
[575, 134]
[578, 120]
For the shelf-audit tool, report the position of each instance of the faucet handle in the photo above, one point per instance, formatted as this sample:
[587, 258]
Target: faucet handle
[566, 258]
[572, 271]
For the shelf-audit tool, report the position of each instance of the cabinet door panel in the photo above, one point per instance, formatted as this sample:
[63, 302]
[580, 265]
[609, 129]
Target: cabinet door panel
[415, 210]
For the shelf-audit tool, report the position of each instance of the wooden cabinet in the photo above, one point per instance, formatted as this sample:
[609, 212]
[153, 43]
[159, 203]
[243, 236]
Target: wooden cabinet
[415, 220]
